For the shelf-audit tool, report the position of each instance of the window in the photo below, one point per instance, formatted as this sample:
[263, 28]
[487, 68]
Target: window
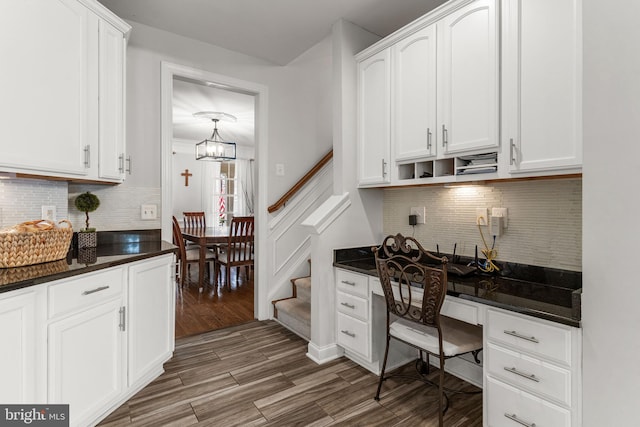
[224, 195]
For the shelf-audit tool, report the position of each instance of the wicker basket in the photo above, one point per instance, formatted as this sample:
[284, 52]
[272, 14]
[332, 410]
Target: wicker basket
[45, 243]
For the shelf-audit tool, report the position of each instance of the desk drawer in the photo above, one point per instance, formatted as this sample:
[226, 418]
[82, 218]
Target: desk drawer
[352, 283]
[85, 290]
[456, 309]
[530, 335]
[352, 305]
[510, 407]
[532, 374]
[353, 335]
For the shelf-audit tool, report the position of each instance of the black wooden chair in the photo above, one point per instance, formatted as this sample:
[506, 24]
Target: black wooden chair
[404, 265]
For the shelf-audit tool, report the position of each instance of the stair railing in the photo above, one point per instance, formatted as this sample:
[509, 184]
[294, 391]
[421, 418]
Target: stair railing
[298, 185]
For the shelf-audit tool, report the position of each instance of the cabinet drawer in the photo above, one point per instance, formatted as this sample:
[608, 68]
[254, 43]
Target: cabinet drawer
[353, 306]
[84, 291]
[510, 407]
[530, 335]
[352, 283]
[460, 310]
[353, 334]
[526, 372]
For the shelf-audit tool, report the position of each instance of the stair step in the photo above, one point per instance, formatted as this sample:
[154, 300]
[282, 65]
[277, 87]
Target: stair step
[303, 288]
[295, 315]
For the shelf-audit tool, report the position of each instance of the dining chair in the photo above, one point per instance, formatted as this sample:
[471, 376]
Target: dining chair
[186, 257]
[414, 283]
[238, 250]
[194, 220]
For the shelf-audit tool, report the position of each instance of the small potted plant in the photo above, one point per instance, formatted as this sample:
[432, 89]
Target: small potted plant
[87, 202]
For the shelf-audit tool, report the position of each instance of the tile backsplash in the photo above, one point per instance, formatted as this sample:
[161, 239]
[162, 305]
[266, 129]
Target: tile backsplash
[544, 219]
[22, 200]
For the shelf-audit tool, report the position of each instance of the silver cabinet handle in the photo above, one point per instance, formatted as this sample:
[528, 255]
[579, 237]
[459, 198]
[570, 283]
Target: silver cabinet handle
[93, 291]
[428, 139]
[123, 318]
[512, 147]
[524, 337]
[346, 304]
[351, 334]
[445, 136]
[87, 156]
[121, 163]
[128, 169]
[384, 168]
[346, 282]
[531, 377]
[515, 418]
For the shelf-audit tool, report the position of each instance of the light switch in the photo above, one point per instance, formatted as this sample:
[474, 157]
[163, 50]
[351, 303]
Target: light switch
[279, 169]
[149, 211]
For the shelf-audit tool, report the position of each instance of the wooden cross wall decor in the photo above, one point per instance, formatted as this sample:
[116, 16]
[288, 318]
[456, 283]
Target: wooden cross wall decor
[186, 175]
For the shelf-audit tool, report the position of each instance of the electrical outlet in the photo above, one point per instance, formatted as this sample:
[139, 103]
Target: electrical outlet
[49, 213]
[420, 213]
[279, 169]
[501, 213]
[149, 211]
[482, 216]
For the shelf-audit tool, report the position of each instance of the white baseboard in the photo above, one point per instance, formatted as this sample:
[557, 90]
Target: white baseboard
[324, 354]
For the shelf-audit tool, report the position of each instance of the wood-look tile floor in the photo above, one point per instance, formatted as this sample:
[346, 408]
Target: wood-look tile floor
[215, 307]
[258, 374]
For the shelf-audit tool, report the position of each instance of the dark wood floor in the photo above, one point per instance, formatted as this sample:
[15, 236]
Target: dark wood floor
[214, 307]
[258, 374]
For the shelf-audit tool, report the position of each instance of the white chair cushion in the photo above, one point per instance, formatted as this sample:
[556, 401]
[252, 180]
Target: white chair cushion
[193, 254]
[240, 256]
[457, 337]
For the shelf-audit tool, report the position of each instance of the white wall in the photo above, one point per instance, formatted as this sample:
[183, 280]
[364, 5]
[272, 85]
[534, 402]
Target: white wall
[544, 223]
[611, 292]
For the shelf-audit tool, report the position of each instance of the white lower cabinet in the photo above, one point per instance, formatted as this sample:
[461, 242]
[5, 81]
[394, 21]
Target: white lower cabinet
[532, 371]
[91, 341]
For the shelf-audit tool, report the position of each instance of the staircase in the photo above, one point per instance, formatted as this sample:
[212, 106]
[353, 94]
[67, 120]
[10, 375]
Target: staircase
[295, 313]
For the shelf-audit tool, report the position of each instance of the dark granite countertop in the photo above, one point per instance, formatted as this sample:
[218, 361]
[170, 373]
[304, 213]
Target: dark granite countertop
[541, 292]
[114, 248]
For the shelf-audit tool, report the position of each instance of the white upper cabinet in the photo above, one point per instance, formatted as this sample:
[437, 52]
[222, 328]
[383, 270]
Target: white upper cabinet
[111, 106]
[62, 88]
[542, 62]
[414, 124]
[374, 117]
[469, 79]
[46, 85]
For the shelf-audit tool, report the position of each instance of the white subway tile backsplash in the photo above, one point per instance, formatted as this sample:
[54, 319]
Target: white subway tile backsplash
[544, 219]
[22, 199]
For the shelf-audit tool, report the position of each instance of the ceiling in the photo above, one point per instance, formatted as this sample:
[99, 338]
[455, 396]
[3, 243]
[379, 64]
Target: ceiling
[275, 30]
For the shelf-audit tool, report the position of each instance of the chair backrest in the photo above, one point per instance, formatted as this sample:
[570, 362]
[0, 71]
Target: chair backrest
[240, 240]
[178, 240]
[404, 264]
[194, 220]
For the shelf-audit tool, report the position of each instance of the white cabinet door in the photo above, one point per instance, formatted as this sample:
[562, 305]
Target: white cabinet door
[469, 78]
[374, 97]
[19, 347]
[49, 94]
[151, 316]
[86, 361]
[542, 82]
[414, 95]
[111, 76]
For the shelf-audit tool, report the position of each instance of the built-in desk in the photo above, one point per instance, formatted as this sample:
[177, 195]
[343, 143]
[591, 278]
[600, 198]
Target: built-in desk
[531, 363]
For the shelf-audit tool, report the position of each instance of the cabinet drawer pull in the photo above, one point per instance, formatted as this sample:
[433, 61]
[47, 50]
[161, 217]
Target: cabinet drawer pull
[350, 334]
[428, 139]
[121, 163]
[93, 291]
[347, 282]
[346, 304]
[515, 418]
[384, 168]
[531, 377]
[87, 156]
[524, 337]
[445, 136]
[128, 169]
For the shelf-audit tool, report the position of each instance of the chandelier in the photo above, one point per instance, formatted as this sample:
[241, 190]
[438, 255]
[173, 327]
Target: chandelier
[214, 148]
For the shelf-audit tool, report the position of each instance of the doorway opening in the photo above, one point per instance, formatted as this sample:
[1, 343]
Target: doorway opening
[196, 185]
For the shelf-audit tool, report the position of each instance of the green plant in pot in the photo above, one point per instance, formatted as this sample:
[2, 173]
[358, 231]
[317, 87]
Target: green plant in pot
[87, 202]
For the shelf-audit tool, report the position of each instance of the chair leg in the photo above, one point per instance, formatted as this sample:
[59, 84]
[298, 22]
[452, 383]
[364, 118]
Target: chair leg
[227, 271]
[384, 366]
[441, 408]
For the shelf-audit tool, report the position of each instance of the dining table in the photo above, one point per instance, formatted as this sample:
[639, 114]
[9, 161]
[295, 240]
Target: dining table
[204, 237]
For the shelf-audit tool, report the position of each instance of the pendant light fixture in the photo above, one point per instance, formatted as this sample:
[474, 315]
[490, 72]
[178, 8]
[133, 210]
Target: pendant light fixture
[215, 148]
